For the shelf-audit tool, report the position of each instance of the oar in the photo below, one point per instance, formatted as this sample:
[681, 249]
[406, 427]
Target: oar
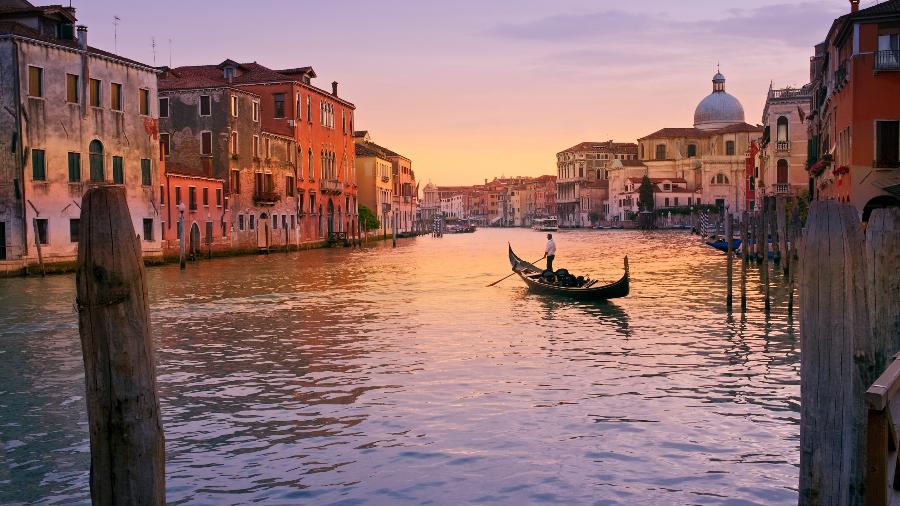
[504, 278]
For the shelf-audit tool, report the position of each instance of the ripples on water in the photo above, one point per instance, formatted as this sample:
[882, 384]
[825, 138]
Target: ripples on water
[388, 376]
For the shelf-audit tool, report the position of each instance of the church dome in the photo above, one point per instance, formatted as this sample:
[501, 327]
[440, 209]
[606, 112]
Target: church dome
[718, 109]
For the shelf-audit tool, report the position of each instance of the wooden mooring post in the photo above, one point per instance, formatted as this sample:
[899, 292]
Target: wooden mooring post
[729, 238]
[781, 232]
[127, 446]
[745, 257]
[836, 357]
[764, 254]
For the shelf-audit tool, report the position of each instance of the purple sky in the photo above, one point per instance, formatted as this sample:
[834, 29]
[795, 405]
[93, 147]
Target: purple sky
[474, 89]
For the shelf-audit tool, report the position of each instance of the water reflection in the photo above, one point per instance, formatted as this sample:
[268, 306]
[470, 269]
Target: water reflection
[393, 375]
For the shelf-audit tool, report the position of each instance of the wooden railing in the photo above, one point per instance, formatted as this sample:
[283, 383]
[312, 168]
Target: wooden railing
[882, 480]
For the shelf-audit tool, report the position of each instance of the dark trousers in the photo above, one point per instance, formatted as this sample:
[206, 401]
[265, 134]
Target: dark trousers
[550, 262]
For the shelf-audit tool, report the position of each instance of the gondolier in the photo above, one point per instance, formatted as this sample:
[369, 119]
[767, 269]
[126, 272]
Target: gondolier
[583, 289]
[550, 252]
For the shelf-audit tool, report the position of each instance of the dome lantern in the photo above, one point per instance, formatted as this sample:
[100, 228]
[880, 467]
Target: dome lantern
[718, 109]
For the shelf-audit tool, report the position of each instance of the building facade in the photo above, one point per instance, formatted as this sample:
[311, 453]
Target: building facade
[580, 167]
[74, 117]
[854, 128]
[374, 175]
[781, 167]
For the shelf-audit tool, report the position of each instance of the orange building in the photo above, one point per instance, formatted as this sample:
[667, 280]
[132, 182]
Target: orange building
[854, 149]
[206, 216]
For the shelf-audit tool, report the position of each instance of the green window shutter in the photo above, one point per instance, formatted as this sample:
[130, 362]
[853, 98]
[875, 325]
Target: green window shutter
[74, 167]
[145, 172]
[118, 170]
[38, 165]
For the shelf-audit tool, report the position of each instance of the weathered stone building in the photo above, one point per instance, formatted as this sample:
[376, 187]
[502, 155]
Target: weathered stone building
[580, 167]
[73, 116]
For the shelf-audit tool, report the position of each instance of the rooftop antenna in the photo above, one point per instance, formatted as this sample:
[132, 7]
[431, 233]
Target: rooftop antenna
[153, 45]
[116, 20]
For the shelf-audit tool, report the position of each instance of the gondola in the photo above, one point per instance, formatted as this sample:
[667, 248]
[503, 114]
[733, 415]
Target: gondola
[722, 244]
[532, 274]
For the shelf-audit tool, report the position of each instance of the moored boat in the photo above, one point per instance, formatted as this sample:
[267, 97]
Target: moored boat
[545, 224]
[722, 244]
[534, 278]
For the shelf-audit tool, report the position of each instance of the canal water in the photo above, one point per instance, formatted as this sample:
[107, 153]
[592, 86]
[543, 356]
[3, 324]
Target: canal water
[386, 376]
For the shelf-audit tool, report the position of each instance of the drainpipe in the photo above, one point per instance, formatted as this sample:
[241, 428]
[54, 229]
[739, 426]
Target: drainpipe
[85, 70]
[19, 153]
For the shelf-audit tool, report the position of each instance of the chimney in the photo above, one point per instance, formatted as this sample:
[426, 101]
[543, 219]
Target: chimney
[334, 88]
[82, 36]
[854, 5]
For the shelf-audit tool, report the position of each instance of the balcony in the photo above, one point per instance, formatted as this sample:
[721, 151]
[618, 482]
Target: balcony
[385, 179]
[887, 60]
[783, 146]
[782, 189]
[266, 198]
[841, 75]
[330, 186]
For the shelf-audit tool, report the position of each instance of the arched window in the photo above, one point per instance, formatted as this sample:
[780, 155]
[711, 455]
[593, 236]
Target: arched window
[781, 170]
[312, 165]
[729, 148]
[692, 150]
[95, 149]
[781, 134]
[720, 179]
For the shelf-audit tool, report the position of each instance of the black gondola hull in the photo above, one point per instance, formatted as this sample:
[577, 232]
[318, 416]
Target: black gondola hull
[530, 275]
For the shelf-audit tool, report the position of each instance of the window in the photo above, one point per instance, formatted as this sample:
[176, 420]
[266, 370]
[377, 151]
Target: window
[279, 104]
[95, 155]
[289, 186]
[164, 146]
[209, 232]
[144, 102]
[205, 106]
[692, 150]
[205, 197]
[115, 96]
[887, 143]
[781, 132]
[660, 151]
[235, 181]
[41, 225]
[38, 165]
[312, 164]
[268, 149]
[667, 202]
[164, 107]
[145, 172]
[177, 195]
[252, 222]
[274, 222]
[234, 143]
[118, 170]
[234, 106]
[205, 143]
[299, 107]
[255, 111]
[676, 201]
[729, 148]
[72, 88]
[256, 146]
[162, 195]
[148, 229]
[240, 222]
[94, 90]
[218, 197]
[293, 222]
[781, 171]
[309, 108]
[74, 167]
[718, 179]
[74, 225]
[192, 198]
[35, 81]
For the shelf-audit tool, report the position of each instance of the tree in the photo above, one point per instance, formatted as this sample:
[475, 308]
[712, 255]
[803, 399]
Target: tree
[367, 219]
[645, 199]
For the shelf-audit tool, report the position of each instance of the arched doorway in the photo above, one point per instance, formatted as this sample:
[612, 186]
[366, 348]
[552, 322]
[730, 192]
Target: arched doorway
[877, 203]
[781, 172]
[194, 240]
[95, 150]
[264, 232]
[330, 220]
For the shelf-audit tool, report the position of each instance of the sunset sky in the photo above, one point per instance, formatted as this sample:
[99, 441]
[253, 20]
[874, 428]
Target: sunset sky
[474, 89]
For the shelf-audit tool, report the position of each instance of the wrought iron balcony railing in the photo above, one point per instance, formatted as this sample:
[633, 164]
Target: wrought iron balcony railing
[266, 198]
[887, 60]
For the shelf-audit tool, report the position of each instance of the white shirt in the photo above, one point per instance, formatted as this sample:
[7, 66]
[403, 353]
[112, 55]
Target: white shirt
[551, 248]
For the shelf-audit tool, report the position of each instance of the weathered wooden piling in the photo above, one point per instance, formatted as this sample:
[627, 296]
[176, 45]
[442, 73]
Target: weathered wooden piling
[745, 257]
[883, 282]
[781, 227]
[792, 253]
[127, 447]
[835, 352]
[729, 237]
[764, 254]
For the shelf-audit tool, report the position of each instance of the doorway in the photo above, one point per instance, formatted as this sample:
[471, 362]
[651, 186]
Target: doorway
[330, 221]
[2, 240]
[264, 233]
[195, 240]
